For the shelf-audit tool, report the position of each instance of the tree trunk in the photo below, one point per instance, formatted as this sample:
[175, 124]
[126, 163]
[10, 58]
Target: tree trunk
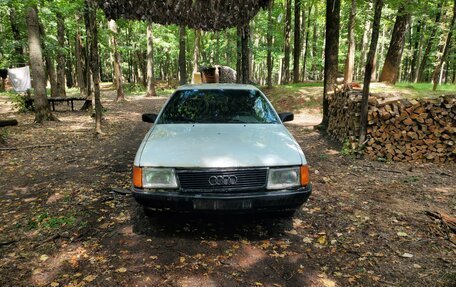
[69, 75]
[150, 62]
[297, 40]
[364, 46]
[286, 48]
[18, 49]
[430, 43]
[116, 64]
[306, 47]
[80, 56]
[416, 42]
[196, 52]
[269, 44]
[331, 55]
[378, 5]
[444, 51]
[245, 65]
[49, 63]
[350, 61]
[238, 55]
[61, 55]
[92, 37]
[394, 55]
[42, 109]
[314, 47]
[182, 56]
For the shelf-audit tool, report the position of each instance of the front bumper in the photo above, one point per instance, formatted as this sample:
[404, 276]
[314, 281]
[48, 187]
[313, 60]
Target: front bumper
[261, 200]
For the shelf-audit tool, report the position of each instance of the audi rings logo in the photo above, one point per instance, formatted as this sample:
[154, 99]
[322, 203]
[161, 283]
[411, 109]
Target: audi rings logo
[223, 180]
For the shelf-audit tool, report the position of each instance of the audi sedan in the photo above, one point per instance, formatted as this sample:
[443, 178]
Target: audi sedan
[220, 147]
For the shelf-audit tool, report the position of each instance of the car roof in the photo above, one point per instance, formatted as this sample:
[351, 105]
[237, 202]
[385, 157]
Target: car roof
[217, 87]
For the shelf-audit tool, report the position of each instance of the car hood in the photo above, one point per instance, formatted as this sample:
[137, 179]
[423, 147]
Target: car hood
[219, 146]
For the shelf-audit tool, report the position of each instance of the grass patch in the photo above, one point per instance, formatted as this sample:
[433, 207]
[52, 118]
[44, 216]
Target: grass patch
[295, 97]
[422, 90]
[44, 220]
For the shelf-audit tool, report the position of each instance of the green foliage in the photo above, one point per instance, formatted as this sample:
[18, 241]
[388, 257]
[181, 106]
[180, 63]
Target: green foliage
[44, 220]
[20, 102]
[346, 148]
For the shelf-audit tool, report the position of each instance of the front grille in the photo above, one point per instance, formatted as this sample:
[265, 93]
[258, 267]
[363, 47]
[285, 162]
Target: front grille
[199, 179]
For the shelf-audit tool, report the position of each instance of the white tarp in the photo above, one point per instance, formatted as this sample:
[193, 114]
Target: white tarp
[20, 78]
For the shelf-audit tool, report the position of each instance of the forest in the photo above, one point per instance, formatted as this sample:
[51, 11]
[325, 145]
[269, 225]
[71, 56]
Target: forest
[414, 44]
[371, 83]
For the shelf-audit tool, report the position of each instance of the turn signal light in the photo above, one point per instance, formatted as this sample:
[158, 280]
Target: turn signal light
[137, 177]
[304, 175]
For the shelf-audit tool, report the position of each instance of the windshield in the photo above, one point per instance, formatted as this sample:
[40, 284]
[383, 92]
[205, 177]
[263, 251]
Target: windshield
[218, 106]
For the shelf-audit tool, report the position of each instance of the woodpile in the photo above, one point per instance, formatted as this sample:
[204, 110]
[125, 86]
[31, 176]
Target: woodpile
[399, 129]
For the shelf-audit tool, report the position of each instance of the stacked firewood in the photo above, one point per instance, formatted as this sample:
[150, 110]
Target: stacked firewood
[399, 129]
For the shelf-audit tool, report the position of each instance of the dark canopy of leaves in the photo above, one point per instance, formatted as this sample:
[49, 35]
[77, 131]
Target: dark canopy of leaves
[201, 14]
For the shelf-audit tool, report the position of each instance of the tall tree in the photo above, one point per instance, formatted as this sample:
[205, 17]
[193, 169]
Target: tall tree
[196, 51]
[245, 66]
[350, 60]
[331, 55]
[306, 46]
[150, 62]
[49, 62]
[444, 50]
[92, 38]
[80, 57]
[182, 62]
[61, 55]
[42, 109]
[116, 64]
[378, 5]
[394, 55]
[269, 45]
[297, 40]
[238, 54]
[286, 48]
[416, 43]
[430, 42]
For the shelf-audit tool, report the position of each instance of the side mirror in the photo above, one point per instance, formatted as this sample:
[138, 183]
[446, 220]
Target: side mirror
[149, 118]
[286, 117]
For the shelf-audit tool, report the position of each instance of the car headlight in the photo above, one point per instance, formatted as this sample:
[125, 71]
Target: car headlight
[282, 178]
[150, 177]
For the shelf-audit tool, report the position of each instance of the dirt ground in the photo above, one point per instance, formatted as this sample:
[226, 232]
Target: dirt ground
[61, 223]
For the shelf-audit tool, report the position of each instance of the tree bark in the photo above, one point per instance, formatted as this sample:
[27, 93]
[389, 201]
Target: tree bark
[69, 75]
[416, 43]
[350, 60]
[92, 37]
[41, 103]
[331, 55]
[61, 55]
[49, 62]
[444, 50]
[116, 64]
[245, 66]
[150, 62]
[378, 5]
[286, 48]
[80, 56]
[393, 58]
[182, 56]
[297, 40]
[314, 47]
[306, 47]
[430, 43]
[196, 51]
[269, 45]
[238, 54]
